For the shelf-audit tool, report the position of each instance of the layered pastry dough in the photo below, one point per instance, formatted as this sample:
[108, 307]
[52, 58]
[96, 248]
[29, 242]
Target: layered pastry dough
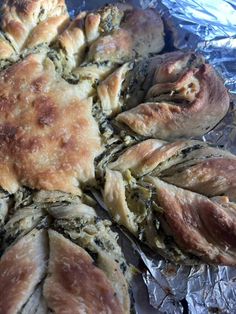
[109, 91]
[74, 284]
[96, 43]
[66, 228]
[22, 267]
[26, 24]
[48, 136]
[169, 96]
[6, 50]
[113, 34]
[54, 145]
[164, 216]
[198, 225]
[140, 33]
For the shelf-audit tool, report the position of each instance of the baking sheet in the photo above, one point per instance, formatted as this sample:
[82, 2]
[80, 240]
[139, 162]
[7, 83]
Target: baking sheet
[208, 27]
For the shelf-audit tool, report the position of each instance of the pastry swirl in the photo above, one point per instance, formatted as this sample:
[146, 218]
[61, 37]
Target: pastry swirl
[195, 217]
[26, 24]
[55, 249]
[181, 96]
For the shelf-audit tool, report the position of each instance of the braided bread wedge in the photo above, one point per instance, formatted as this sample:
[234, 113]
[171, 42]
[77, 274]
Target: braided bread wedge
[60, 256]
[192, 220]
[168, 96]
[26, 24]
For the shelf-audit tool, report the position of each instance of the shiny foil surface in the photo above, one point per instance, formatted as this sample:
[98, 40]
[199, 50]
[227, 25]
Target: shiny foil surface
[209, 27]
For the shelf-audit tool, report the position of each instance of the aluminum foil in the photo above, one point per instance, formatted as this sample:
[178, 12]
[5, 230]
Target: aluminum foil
[208, 27]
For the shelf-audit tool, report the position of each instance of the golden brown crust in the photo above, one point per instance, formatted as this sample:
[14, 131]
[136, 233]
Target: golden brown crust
[20, 18]
[188, 164]
[108, 34]
[81, 33]
[109, 91]
[200, 226]
[136, 198]
[74, 284]
[209, 177]
[135, 158]
[47, 31]
[73, 41]
[21, 268]
[116, 48]
[92, 22]
[140, 33]
[146, 156]
[185, 100]
[53, 146]
[146, 29]
[6, 50]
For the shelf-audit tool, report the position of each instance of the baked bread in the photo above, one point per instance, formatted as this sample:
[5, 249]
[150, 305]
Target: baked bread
[74, 283]
[140, 33]
[22, 267]
[53, 146]
[26, 24]
[96, 43]
[64, 107]
[173, 95]
[74, 229]
[200, 226]
[191, 164]
[113, 34]
[160, 213]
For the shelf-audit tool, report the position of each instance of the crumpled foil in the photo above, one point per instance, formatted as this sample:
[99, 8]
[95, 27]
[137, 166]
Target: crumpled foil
[208, 27]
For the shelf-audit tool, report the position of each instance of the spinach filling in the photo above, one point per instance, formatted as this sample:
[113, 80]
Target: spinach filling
[177, 158]
[152, 229]
[94, 235]
[111, 18]
[28, 209]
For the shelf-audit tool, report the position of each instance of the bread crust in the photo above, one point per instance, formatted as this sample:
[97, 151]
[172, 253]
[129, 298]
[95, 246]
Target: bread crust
[53, 146]
[75, 284]
[200, 226]
[22, 267]
[28, 23]
[197, 211]
[183, 101]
